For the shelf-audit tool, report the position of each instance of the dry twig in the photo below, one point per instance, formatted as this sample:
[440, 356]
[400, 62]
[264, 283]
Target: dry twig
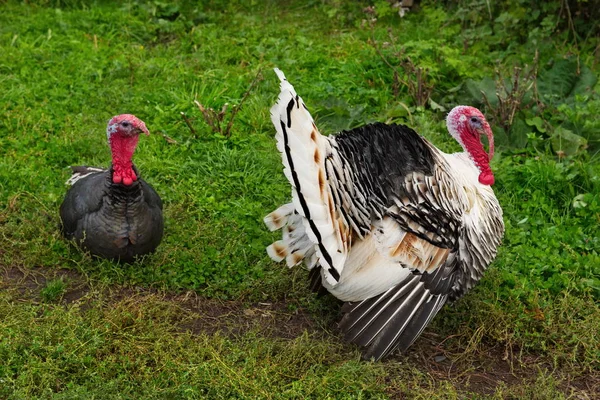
[417, 83]
[216, 119]
[187, 122]
[510, 100]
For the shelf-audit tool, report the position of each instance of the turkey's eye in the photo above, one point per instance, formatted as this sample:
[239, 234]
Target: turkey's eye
[475, 123]
[125, 124]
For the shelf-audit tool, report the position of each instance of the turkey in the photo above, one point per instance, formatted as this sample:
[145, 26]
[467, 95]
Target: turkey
[384, 220]
[113, 213]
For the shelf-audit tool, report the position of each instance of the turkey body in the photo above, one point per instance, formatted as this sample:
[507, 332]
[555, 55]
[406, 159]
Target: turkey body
[385, 221]
[112, 220]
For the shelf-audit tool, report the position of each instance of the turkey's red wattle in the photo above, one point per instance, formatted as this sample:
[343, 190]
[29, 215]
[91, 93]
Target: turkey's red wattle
[486, 178]
[473, 145]
[122, 148]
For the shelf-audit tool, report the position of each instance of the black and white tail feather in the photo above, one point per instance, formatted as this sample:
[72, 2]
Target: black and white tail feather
[387, 189]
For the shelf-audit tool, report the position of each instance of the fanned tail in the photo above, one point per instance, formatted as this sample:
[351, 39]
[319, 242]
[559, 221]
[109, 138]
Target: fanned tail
[303, 152]
[391, 320]
[81, 172]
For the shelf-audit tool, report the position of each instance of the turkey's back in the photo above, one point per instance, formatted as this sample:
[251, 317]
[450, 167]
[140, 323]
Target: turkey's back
[112, 220]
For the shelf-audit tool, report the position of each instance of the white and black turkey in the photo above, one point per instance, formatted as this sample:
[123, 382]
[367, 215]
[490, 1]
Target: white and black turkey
[113, 213]
[384, 220]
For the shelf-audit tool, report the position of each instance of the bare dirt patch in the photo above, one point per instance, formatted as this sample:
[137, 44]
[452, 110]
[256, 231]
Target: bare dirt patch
[272, 319]
[29, 282]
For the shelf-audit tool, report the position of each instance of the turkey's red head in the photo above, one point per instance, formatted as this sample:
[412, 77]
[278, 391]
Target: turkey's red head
[467, 124]
[123, 132]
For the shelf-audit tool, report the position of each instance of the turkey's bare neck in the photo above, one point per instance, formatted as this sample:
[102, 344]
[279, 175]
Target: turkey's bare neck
[122, 148]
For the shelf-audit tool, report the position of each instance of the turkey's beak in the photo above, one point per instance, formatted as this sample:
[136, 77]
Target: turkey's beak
[142, 129]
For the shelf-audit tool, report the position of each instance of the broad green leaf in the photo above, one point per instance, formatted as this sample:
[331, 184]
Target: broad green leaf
[537, 122]
[558, 81]
[435, 106]
[564, 140]
[518, 133]
[585, 82]
[487, 85]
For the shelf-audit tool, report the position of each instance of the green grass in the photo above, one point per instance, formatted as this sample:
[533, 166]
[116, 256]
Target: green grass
[67, 67]
[135, 348]
[107, 352]
[53, 290]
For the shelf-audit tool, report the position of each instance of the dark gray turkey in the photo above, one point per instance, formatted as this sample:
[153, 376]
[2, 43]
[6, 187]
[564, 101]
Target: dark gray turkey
[386, 221]
[113, 213]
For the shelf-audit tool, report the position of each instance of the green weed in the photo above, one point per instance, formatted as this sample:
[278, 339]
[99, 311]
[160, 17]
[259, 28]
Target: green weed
[53, 290]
